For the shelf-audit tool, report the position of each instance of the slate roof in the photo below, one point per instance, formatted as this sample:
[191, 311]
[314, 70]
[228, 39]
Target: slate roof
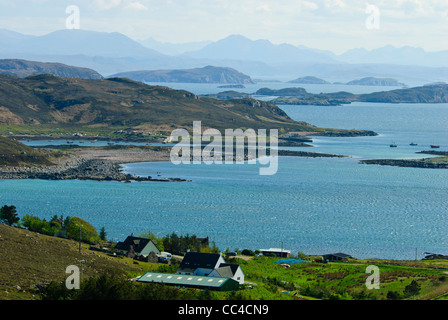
[138, 243]
[194, 260]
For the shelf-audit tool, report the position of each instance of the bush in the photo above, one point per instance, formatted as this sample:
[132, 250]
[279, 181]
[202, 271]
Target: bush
[88, 232]
[411, 289]
[393, 295]
[247, 252]
[35, 224]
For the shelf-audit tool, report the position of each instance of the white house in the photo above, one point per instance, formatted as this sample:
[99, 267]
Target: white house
[208, 264]
[227, 270]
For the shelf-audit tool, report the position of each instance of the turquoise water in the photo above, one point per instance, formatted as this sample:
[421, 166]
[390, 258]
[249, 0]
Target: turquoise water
[315, 206]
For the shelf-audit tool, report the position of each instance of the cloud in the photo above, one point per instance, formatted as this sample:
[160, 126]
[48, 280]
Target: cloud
[136, 6]
[106, 4]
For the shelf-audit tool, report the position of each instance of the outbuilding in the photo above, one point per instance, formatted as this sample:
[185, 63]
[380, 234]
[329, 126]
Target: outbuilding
[279, 252]
[190, 281]
[334, 257]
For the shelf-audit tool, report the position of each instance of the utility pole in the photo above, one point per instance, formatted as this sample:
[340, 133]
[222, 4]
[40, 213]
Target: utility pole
[82, 261]
[80, 238]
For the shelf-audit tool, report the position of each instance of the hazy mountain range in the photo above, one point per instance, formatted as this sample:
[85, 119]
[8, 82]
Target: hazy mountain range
[112, 53]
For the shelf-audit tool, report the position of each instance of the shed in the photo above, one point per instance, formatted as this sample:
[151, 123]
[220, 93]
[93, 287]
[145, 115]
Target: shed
[337, 257]
[190, 281]
[279, 252]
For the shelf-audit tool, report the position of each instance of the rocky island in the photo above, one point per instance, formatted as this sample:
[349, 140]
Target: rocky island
[208, 74]
[440, 162]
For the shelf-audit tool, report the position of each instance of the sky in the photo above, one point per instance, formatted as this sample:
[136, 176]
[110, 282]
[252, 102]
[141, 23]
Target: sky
[335, 25]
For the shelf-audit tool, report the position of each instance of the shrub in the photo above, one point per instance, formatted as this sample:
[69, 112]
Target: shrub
[88, 232]
[411, 289]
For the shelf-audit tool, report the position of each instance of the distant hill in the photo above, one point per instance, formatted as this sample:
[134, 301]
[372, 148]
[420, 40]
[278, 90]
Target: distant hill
[372, 81]
[208, 74]
[237, 47]
[24, 68]
[112, 53]
[173, 48]
[76, 42]
[309, 80]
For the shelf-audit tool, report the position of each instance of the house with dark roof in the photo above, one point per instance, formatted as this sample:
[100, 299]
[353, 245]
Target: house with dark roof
[133, 246]
[209, 264]
[336, 257]
[200, 264]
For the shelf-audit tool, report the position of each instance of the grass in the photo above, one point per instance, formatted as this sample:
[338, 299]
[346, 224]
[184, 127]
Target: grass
[14, 153]
[347, 280]
[29, 259]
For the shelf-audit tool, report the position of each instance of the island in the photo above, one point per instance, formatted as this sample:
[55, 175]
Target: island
[428, 163]
[372, 81]
[425, 94]
[208, 74]
[309, 80]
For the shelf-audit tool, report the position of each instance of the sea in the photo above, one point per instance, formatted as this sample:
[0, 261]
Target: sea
[313, 206]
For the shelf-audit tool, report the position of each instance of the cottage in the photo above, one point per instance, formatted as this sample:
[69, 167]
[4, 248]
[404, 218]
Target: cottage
[210, 265]
[336, 257]
[227, 270]
[135, 246]
[277, 252]
[199, 264]
[433, 256]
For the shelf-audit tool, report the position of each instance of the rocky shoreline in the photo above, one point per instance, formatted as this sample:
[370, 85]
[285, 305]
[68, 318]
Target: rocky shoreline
[96, 165]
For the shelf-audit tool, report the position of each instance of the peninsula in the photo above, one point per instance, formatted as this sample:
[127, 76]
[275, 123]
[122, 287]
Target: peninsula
[47, 104]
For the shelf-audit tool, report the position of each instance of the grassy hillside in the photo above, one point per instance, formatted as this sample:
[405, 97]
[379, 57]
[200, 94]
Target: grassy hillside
[29, 259]
[44, 100]
[14, 153]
